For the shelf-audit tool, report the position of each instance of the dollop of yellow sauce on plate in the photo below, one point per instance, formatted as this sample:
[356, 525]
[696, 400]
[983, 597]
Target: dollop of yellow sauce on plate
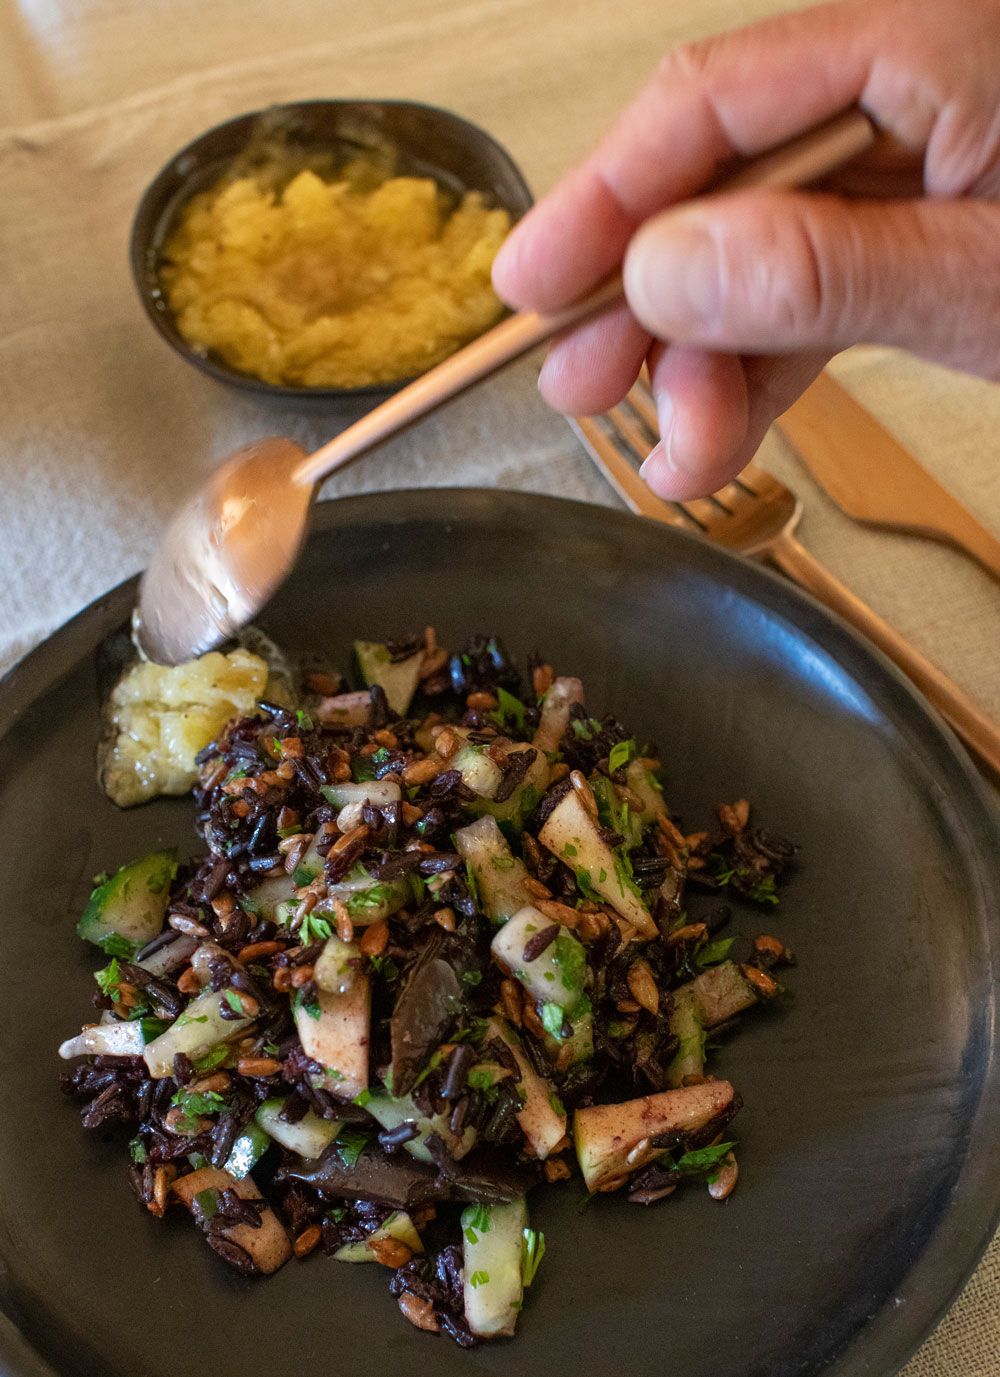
[332, 283]
[160, 718]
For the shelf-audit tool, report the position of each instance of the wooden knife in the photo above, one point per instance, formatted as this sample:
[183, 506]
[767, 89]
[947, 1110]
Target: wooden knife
[873, 478]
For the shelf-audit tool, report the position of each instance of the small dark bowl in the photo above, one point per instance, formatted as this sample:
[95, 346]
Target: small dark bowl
[426, 142]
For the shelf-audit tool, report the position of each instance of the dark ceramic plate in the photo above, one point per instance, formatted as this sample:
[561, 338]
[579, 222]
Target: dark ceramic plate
[870, 1162]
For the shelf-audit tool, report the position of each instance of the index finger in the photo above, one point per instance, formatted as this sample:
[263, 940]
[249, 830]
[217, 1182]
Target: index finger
[738, 94]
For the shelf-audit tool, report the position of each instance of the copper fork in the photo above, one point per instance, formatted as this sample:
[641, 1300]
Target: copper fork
[757, 516]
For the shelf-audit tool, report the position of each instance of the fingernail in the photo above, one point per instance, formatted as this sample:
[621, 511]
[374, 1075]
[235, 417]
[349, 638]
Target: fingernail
[672, 273]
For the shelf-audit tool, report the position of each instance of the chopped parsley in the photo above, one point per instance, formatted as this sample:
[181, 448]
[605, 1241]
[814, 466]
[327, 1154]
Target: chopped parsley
[502, 862]
[713, 952]
[108, 978]
[385, 966]
[304, 720]
[137, 1150]
[556, 1104]
[351, 1143]
[584, 883]
[475, 1221]
[314, 929]
[553, 1016]
[511, 713]
[479, 1278]
[471, 977]
[115, 945]
[234, 1002]
[481, 1078]
[185, 1019]
[311, 1007]
[363, 1099]
[212, 1058]
[620, 755]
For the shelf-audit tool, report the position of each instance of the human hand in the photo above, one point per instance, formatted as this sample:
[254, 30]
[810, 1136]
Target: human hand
[737, 301]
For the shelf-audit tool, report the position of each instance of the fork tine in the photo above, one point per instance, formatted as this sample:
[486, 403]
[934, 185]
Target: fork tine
[620, 473]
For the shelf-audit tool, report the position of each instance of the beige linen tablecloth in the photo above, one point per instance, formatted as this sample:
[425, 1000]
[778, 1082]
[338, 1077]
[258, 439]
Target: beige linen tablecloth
[103, 429]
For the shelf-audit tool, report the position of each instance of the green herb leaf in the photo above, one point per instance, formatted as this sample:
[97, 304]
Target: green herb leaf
[479, 1278]
[108, 978]
[314, 929]
[304, 720]
[502, 862]
[363, 1099]
[137, 1150]
[556, 1104]
[311, 1007]
[212, 1058]
[620, 755]
[532, 1252]
[713, 952]
[234, 1002]
[185, 1019]
[511, 713]
[207, 1202]
[552, 1020]
[114, 945]
[471, 977]
[351, 1142]
[198, 1102]
[705, 1161]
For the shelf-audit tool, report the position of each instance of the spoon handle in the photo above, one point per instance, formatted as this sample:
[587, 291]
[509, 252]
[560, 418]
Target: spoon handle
[797, 163]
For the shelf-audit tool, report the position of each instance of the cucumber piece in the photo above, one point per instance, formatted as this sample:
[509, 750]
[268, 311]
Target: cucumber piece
[398, 681]
[524, 798]
[338, 1038]
[199, 1028]
[106, 1040]
[247, 1151]
[398, 1226]
[367, 899]
[392, 1110]
[719, 993]
[479, 771]
[613, 1140]
[309, 1137]
[571, 833]
[132, 902]
[377, 791]
[263, 899]
[541, 1117]
[557, 975]
[492, 1238]
[555, 713]
[686, 1026]
[499, 874]
[338, 966]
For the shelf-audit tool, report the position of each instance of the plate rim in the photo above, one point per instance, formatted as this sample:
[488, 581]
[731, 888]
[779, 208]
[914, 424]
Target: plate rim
[893, 1334]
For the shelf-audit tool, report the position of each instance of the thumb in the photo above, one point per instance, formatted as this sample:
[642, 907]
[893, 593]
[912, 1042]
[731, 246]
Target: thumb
[772, 272]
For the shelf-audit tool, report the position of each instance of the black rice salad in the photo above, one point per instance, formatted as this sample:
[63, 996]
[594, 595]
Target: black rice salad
[446, 944]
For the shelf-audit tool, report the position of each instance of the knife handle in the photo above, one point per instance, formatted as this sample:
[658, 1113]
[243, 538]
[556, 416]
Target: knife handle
[968, 720]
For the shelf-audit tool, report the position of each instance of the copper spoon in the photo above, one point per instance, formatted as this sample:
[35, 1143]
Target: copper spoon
[233, 544]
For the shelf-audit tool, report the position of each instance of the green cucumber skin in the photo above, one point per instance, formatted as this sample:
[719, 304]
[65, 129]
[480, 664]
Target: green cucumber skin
[247, 1151]
[132, 902]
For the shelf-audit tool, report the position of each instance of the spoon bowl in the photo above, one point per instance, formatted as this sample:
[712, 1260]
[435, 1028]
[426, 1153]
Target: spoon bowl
[225, 552]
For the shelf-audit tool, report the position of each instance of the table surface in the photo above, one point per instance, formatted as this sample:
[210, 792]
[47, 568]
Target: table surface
[103, 429]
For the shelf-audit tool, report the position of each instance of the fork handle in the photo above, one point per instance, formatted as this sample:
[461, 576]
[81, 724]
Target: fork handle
[978, 732]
